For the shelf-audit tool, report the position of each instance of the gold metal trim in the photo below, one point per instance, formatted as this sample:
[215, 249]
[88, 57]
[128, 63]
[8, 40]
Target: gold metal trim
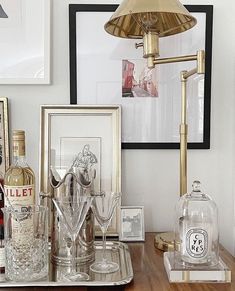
[186, 276]
[201, 62]
[151, 45]
[228, 276]
[165, 241]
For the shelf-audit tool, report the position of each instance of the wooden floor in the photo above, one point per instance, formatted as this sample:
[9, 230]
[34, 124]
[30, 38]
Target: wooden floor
[149, 273]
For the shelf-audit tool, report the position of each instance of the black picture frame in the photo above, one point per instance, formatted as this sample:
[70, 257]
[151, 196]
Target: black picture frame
[208, 10]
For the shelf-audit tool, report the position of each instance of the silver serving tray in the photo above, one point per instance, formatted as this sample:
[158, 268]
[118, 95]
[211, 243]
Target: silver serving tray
[116, 251]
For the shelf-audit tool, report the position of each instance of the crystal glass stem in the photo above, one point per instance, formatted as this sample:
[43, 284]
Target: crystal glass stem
[103, 208]
[104, 229]
[72, 215]
[73, 252]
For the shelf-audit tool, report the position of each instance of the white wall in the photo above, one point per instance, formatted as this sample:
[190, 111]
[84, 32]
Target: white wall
[151, 177]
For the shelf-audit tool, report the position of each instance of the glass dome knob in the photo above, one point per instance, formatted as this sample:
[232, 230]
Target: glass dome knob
[196, 186]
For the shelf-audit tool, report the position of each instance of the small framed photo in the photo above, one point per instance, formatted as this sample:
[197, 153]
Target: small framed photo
[132, 223]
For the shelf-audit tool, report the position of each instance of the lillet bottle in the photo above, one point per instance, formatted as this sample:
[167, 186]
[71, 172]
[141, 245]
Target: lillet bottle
[19, 180]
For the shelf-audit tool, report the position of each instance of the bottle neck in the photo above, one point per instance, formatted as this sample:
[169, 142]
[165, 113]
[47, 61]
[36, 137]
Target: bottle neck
[19, 157]
[19, 161]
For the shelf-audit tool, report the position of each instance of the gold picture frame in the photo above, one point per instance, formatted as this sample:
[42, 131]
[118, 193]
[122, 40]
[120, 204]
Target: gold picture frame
[62, 125]
[4, 136]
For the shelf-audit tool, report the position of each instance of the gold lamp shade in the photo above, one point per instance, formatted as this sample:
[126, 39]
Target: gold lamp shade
[135, 18]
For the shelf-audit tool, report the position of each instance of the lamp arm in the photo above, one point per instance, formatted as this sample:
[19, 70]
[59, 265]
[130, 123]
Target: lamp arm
[184, 129]
[186, 74]
[200, 69]
[175, 59]
[199, 57]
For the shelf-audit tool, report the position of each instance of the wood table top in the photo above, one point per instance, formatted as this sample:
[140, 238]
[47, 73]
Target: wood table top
[149, 273]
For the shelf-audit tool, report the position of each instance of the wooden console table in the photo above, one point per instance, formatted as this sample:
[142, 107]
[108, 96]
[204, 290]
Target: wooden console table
[149, 273]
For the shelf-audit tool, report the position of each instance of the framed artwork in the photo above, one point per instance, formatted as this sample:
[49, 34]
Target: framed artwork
[132, 223]
[25, 42]
[109, 70]
[85, 138]
[4, 136]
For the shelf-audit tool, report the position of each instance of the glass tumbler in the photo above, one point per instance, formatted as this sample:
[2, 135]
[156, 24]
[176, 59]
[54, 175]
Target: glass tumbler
[26, 242]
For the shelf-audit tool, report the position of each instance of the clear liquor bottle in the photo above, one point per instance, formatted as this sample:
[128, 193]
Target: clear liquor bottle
[19, 180]
[19, 186]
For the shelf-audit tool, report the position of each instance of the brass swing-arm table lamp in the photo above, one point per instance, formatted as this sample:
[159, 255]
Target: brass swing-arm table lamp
[149, 20]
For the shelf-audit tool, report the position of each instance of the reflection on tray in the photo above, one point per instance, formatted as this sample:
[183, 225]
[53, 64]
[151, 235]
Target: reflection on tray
[116, 251]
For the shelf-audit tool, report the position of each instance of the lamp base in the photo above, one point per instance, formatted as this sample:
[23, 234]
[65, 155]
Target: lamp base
[164, 241]
[180, 274]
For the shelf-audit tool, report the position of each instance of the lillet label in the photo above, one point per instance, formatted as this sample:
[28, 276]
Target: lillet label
[19, 191]
[23, 195]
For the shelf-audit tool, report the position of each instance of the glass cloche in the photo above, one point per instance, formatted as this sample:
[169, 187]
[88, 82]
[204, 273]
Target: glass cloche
[196, 229]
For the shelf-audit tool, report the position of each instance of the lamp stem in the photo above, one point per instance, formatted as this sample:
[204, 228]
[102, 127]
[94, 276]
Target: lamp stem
[165, 241]
[183, 135]
[184, 130]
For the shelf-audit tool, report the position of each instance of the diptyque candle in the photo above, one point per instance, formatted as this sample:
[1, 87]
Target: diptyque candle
[196, 229]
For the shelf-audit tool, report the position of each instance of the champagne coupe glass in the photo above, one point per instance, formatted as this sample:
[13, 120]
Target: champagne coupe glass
[103, 206]
[72, 214]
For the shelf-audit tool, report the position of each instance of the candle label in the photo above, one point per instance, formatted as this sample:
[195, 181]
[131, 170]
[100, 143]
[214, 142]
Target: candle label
[197, 242]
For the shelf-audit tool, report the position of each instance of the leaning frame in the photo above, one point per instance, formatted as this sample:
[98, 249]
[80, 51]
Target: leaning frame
[97, 112]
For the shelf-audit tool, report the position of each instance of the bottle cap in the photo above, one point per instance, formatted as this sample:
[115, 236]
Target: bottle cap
[18, 135]
[1, 231]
